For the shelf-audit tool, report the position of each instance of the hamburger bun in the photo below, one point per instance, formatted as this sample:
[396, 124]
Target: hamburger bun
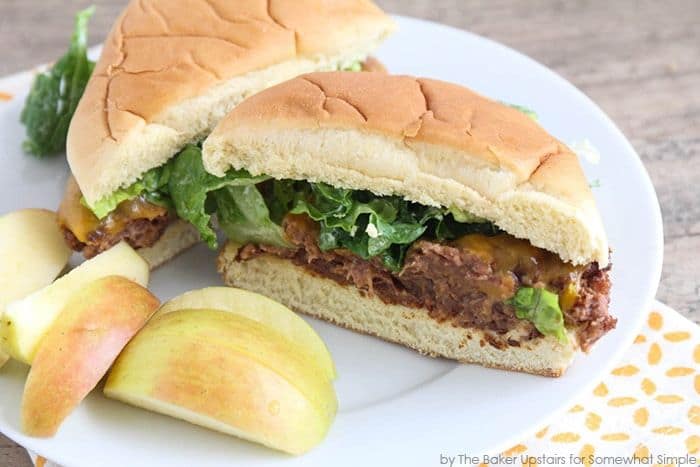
[170, 70]
[176, 238]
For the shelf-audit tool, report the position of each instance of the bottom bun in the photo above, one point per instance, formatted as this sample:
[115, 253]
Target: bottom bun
[177, 237]
[346, 306]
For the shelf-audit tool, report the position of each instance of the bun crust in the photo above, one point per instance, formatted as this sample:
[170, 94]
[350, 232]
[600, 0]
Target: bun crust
[323, 298]
[430, 141]
[171, 69]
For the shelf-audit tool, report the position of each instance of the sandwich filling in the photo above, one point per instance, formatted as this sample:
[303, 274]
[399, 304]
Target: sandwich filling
[460, 268]
[474, 281]
[136, 221]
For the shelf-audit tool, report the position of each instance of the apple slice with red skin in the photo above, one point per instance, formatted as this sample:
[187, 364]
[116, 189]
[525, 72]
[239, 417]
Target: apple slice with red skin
[226, 372]
[78, 349]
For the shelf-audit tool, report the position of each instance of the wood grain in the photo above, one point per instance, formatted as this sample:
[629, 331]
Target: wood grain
[638, 59]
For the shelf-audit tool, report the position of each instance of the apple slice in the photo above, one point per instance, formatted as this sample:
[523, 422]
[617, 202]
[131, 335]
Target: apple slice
[78, 349]
[33, 253]
[27, 320]
[228, 373]
[261, 309]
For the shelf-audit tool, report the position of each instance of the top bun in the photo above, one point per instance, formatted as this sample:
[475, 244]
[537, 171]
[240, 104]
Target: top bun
[169, 70]
[429, 141]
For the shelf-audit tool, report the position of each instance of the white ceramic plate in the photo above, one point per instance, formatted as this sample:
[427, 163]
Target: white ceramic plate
[396, 407]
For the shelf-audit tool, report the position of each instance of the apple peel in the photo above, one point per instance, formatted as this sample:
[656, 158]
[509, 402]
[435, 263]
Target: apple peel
[79, 348]
[262, 309]
[228, 373]
[26, 321]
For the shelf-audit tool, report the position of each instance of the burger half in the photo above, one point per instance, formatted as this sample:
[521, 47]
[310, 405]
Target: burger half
[414, 210]
[169, 71]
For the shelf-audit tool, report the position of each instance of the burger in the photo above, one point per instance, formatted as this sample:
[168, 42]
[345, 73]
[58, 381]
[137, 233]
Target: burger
[168, 72]
[414, 210]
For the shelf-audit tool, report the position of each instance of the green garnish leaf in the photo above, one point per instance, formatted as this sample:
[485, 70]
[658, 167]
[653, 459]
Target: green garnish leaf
[54, 95]
[541, 308]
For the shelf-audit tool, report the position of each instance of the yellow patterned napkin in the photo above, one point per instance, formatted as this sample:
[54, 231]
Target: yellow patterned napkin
[646, 412]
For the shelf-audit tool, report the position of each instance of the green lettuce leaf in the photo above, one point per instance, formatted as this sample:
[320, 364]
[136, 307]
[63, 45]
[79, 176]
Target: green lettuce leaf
[250, 209]
[541, 308]
[371, 225]
[110, 202]
[182, 184]
[244, 217]
[189, 186]
[55, 94]
[152, 185]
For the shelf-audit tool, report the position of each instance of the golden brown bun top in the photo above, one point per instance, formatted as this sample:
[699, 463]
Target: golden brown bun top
[420, 110]
[443, 144]
[160, 53]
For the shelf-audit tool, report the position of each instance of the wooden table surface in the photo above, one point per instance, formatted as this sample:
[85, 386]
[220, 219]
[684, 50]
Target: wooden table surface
[637, 59]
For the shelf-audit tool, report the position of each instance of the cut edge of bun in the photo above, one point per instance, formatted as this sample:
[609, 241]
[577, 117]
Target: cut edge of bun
[177, 237]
